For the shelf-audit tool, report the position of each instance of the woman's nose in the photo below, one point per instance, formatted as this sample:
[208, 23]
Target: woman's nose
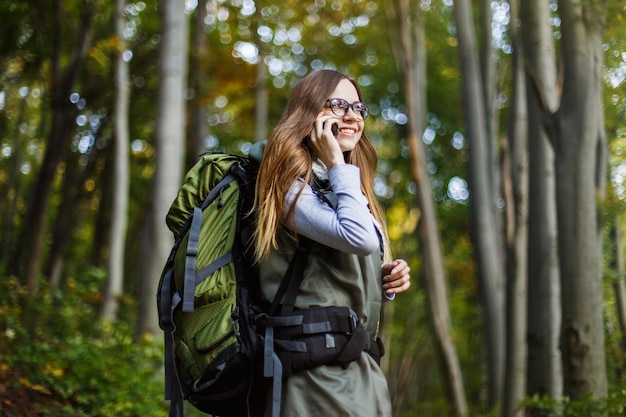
[351, 114]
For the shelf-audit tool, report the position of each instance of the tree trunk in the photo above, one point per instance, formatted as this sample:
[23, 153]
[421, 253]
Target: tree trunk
[61, 86]
[545, 376]
[411, 56]
[484, 216]
[72, 194]
[490, 93]
[198, 112]
[11, 190]
[619, 283]
[261, 90]
[517, 235]
[580, 145]
[169, 149]
[262, 97]
[119, 212]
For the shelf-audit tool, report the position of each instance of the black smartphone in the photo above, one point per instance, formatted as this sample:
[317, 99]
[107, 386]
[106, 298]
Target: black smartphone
[334, 128]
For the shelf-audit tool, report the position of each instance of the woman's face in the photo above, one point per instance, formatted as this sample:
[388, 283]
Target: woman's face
[350, 122]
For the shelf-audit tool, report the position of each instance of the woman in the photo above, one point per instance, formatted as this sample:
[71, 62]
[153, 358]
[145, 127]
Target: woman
[349, 263]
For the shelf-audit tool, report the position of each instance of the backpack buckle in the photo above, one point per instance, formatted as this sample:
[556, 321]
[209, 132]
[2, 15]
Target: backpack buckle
[236, 327]
[353, 322]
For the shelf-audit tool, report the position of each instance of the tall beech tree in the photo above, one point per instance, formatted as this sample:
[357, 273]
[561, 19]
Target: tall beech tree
[64, 74]
[485, 220]
[579, 138]
[515, 185]
[169, 154]
[119, 214]
[544, 289]
[410, 54]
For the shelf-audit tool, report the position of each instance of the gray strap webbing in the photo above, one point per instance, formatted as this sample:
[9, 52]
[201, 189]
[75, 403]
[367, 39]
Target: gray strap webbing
[168, 333]
[217, 190]
[272, 367]
[277, 385]
[268, 351]
[281, 321]
[189, 285]
[213, 266]
[176, 395]
[166, 298]
[314, 328]
[173, 390]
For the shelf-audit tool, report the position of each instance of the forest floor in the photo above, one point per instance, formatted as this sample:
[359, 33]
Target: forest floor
[21, 398]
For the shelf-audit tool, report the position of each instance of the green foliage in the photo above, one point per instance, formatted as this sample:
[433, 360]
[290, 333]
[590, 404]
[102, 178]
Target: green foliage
[612, 406]
[57, 359]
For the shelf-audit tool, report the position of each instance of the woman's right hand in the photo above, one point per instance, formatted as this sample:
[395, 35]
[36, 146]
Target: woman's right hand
[323, 142]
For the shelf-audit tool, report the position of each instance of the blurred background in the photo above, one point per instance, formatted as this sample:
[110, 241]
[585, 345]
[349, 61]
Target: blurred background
[502, 166]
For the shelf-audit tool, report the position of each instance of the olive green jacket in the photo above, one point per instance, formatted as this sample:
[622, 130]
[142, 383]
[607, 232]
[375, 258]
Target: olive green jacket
[333, 278]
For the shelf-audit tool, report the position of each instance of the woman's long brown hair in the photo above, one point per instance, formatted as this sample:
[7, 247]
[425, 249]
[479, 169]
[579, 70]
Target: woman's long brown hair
[287, 157]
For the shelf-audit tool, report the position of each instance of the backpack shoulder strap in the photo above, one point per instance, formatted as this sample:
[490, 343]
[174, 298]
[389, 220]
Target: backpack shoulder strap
[285, 298]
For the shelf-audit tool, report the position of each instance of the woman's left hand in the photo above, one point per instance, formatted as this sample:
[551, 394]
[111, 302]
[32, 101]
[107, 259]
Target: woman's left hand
[396, 278]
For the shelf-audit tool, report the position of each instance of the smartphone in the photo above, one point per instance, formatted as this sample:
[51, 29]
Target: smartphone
[334, 128]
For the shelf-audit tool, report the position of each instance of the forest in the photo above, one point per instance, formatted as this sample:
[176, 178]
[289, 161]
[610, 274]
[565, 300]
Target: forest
[501, 135]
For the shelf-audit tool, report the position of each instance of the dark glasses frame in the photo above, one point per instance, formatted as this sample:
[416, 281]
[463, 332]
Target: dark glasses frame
[338, 104]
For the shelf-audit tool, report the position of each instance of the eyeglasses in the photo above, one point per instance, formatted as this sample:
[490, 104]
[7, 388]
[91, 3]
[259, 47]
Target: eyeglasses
[340, 107]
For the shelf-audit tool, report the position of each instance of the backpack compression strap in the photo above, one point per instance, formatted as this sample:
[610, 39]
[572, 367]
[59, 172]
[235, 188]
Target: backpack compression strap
[192, 244]
[173, 391]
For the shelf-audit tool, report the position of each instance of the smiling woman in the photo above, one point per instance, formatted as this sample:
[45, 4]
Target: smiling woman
[315, 195]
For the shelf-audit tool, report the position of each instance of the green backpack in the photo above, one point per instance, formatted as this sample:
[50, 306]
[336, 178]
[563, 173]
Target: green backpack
[225, 348]
[209, 341]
